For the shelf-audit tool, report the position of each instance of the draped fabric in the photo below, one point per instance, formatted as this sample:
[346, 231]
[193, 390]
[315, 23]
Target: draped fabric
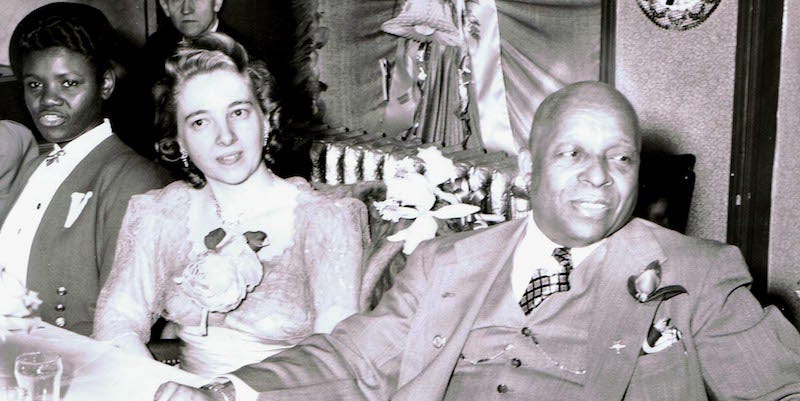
[349, 62]
[545, 45]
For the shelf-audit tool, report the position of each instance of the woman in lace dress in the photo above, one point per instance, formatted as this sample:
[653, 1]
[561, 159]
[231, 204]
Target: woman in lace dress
[244, 262]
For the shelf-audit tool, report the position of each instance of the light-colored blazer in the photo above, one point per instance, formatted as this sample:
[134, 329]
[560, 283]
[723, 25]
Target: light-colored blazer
[731, 347]
[68, 266]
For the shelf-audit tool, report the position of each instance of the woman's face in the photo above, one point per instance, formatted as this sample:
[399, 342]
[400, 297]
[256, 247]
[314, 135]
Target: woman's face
[62, 92]
[221, 126]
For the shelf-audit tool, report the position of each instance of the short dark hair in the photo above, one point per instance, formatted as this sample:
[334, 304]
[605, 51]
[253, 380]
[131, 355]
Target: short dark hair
[206, 53]
[77, 27]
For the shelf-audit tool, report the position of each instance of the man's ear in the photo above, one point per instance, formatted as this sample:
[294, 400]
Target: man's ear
[525, 164]
[108, 83]
[217, 5]
[164, 8]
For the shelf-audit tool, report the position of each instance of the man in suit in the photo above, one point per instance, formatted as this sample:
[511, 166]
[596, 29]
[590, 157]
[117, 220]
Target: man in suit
[576, 301]
[59, 228]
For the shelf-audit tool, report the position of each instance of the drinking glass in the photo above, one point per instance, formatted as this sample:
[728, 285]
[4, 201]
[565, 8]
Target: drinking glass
[39, 373]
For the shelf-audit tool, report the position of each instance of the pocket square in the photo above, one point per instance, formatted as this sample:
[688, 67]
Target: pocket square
[661, 336]
[78, 201]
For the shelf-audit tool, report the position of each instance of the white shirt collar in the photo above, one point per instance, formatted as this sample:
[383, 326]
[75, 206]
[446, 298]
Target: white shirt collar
[534, 254]
[79, 147]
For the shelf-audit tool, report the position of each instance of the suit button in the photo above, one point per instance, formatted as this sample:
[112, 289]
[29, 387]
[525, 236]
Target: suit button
[60, 307]
[61, 291]
[439, 341]
[60, 321]
[526, 332]
[502, 388]
[515, 362]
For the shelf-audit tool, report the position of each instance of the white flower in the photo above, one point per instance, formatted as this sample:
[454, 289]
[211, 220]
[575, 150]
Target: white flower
[438, 169]
[220, 278]
[15, 299]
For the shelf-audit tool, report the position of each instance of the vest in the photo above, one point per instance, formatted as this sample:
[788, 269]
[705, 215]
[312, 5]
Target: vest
[542, 356]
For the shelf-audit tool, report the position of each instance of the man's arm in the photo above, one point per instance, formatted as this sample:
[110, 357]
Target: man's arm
[359, 360]
[746, 352]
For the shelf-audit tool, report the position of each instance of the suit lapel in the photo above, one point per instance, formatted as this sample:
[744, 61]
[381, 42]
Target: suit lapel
[621, 323]
[468, 270]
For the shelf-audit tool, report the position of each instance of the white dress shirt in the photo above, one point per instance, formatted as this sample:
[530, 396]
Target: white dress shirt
[24, 218]
[534, 256]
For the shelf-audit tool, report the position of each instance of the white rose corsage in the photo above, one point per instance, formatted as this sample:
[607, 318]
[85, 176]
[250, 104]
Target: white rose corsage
[219, 279]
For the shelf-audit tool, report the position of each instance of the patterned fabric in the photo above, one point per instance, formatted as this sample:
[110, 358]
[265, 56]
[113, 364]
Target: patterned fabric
[540, 287]
[312, 274]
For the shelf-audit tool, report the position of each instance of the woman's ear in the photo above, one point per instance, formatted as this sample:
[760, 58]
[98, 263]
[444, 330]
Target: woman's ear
[108, 83]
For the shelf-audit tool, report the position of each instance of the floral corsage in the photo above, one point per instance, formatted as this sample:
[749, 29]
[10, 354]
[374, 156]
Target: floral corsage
[17, 303]
[221, 276]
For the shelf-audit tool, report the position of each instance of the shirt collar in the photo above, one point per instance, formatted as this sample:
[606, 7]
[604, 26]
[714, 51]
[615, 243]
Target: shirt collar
[539, 243]
[86, 142]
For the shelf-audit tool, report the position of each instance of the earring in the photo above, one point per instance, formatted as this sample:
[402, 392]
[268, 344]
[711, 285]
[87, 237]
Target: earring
[266, 135]
[185, 158]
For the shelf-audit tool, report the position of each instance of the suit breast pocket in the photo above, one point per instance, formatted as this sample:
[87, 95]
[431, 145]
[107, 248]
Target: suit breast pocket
[660, 376]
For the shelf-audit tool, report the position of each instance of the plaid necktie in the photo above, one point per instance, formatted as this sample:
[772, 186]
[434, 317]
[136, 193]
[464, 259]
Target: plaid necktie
[541, 286]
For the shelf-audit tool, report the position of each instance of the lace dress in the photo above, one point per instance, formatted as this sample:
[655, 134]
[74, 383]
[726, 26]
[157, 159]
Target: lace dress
[312, 274]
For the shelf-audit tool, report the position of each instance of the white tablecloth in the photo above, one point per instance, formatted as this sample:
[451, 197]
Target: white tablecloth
[93, 370]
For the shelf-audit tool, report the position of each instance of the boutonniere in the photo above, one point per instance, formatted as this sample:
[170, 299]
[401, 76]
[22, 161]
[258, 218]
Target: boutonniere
[219, 278]
[644, 286]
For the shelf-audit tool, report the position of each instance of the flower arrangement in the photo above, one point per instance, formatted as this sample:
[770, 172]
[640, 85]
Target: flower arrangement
[412, 195]
[219, 279]
[17, 303]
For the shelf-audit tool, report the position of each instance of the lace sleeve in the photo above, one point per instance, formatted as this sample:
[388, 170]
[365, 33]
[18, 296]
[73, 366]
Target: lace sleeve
[335, 244]
[132, 297]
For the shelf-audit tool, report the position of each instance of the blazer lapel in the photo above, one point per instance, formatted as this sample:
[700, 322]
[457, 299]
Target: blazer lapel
[471, 266]
[621, 323]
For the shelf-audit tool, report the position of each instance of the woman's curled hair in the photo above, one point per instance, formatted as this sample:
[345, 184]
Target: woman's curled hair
[207, 53]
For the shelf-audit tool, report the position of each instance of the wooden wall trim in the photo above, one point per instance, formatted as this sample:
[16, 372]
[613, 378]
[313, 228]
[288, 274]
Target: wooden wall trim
[608, 38]
[753, 139]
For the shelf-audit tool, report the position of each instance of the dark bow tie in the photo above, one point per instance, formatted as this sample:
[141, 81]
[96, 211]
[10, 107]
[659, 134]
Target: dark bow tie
[54, 155]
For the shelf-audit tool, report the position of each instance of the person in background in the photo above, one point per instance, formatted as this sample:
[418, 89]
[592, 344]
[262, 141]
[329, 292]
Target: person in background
[575, 302]
[187, 19]
[17, 147]
[243, 262]
[59, 230]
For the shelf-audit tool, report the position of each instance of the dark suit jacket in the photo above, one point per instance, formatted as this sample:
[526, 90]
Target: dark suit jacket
[78, 259]
[731, 348]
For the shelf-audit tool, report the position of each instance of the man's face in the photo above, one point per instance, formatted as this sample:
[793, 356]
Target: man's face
[585, 174]
[191, 17]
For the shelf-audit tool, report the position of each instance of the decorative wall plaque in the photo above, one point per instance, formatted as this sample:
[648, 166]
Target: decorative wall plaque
[678, 15]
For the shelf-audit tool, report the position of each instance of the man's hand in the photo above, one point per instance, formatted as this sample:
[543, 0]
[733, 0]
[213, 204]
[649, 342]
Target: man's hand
[171, 391]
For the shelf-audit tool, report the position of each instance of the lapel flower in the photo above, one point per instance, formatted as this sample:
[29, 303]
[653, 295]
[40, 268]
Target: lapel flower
[644, 286]
[219, 279]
